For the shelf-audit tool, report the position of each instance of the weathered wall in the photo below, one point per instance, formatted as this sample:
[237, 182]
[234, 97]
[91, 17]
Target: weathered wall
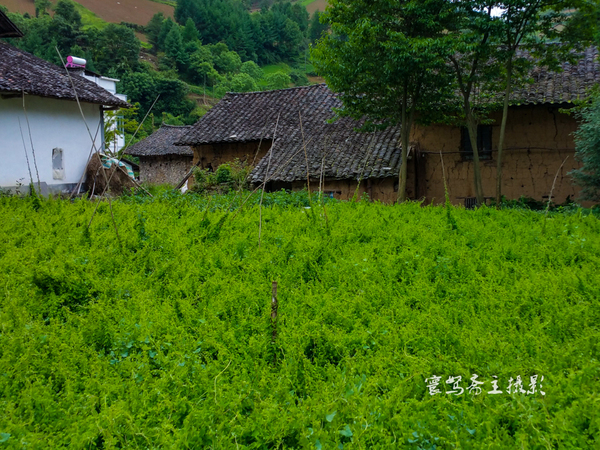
[53, 124]
[538, 139]
[212, 155]
[383, 190]
[164, 169]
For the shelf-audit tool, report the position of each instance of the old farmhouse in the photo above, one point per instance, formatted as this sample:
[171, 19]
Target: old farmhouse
[297, 125]
[161, 161]
[43, 133]
[294, 123]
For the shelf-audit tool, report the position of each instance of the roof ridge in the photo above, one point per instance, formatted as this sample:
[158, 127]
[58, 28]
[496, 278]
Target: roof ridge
[277, 90]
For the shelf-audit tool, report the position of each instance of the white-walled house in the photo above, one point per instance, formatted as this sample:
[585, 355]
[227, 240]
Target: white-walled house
[42, 132]
[110, 84]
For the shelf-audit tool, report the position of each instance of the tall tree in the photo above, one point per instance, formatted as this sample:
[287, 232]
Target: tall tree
[42, 7]
[316, 28]
[174, 48]
[475, 65]
[190, 32]
[587, 145]
[153, 29]
[526, 28]
[387, 58]
[165, 28]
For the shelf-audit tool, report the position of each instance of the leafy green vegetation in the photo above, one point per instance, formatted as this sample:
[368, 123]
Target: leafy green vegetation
[587, 139]
[166, 343]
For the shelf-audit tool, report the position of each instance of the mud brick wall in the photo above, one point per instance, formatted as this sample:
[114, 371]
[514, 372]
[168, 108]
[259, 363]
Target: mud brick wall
[217, 154]
[168, 169]
[538, 139]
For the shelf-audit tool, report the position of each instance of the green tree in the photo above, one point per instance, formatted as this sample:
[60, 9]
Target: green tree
[587, 146]
[388, 60]
[202, 54]
[164, 32]
[116, 48]
[242, 82]
[66, 10]
[65, 26]
[252, 69]
[228, 62]
[203, 72]
[153, 30]
[42, 7]
[278, 80]
[190, 32]
[474, 60]
[174, 48]
[316, 28]
[529, 26]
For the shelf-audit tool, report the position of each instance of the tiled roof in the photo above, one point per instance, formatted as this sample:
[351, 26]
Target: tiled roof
[558, 88]
[573, 83]
[21, 71]
[343, 152]
[161, 142]
[7, 28]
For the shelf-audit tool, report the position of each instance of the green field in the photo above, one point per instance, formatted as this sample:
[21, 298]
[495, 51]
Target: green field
[165, 341]
[273, 68]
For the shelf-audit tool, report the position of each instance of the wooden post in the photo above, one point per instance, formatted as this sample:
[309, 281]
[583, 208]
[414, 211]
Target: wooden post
[274, 306]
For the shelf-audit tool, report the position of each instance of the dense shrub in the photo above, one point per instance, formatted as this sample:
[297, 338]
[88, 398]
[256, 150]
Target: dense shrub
[165, 342]
[227, 177]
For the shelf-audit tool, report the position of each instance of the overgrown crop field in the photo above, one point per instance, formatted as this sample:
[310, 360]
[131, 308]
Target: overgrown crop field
[166, 342]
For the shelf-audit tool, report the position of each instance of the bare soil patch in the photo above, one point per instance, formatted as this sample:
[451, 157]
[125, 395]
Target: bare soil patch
[132, 11]
[319, 5]
[20, 6]
[115, 11]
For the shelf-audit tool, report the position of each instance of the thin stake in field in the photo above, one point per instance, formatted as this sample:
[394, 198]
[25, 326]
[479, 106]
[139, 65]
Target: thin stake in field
[25, 148]
[32, 149]
[263, 189]
[274, 308]
[268, 178]
[553, 184]
[305, 159]
[93, 145]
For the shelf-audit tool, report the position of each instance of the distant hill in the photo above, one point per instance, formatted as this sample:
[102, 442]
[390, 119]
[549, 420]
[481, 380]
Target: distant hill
[116, 11]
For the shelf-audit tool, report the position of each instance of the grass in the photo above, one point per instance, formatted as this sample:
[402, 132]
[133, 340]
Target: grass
[167, 2]
[89, 19]
[166, 342]
[273, 68]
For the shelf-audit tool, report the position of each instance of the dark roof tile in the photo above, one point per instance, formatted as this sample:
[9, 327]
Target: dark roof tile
[161, 142]
[343, 151]
[573, 83]
[338, 147]
[21, 71]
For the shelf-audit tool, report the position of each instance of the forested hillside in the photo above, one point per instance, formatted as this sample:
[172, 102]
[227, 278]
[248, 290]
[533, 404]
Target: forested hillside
[186, 57]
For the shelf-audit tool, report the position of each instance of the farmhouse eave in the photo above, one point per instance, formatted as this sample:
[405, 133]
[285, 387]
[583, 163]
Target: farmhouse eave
[22, 72]
[7, 28]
